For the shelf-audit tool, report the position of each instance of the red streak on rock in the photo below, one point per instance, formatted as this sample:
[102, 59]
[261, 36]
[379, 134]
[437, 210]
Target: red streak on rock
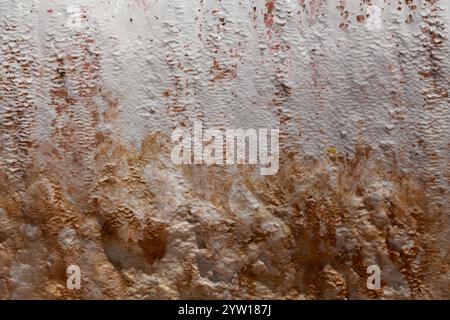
[268, 19]
[270, 5]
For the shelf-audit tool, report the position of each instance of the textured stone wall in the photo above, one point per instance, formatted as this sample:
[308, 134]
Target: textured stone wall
[90, 92]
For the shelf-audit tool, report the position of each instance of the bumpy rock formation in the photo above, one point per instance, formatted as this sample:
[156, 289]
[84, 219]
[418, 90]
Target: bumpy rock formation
[90, 93]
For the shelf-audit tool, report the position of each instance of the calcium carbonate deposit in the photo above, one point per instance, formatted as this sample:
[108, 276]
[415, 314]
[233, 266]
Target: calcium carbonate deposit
[92, 205]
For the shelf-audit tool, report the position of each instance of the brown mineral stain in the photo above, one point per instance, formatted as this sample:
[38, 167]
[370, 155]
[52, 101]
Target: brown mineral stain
[154, 242]
[360, 18]
[313, 217]
[223, 73]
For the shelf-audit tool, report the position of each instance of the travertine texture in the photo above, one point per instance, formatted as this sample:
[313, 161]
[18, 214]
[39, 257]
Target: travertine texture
[91, 90]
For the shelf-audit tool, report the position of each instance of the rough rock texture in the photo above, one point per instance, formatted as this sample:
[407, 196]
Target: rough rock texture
[91, 90]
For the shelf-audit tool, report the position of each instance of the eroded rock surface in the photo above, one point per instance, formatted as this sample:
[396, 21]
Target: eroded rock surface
[90, 92]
